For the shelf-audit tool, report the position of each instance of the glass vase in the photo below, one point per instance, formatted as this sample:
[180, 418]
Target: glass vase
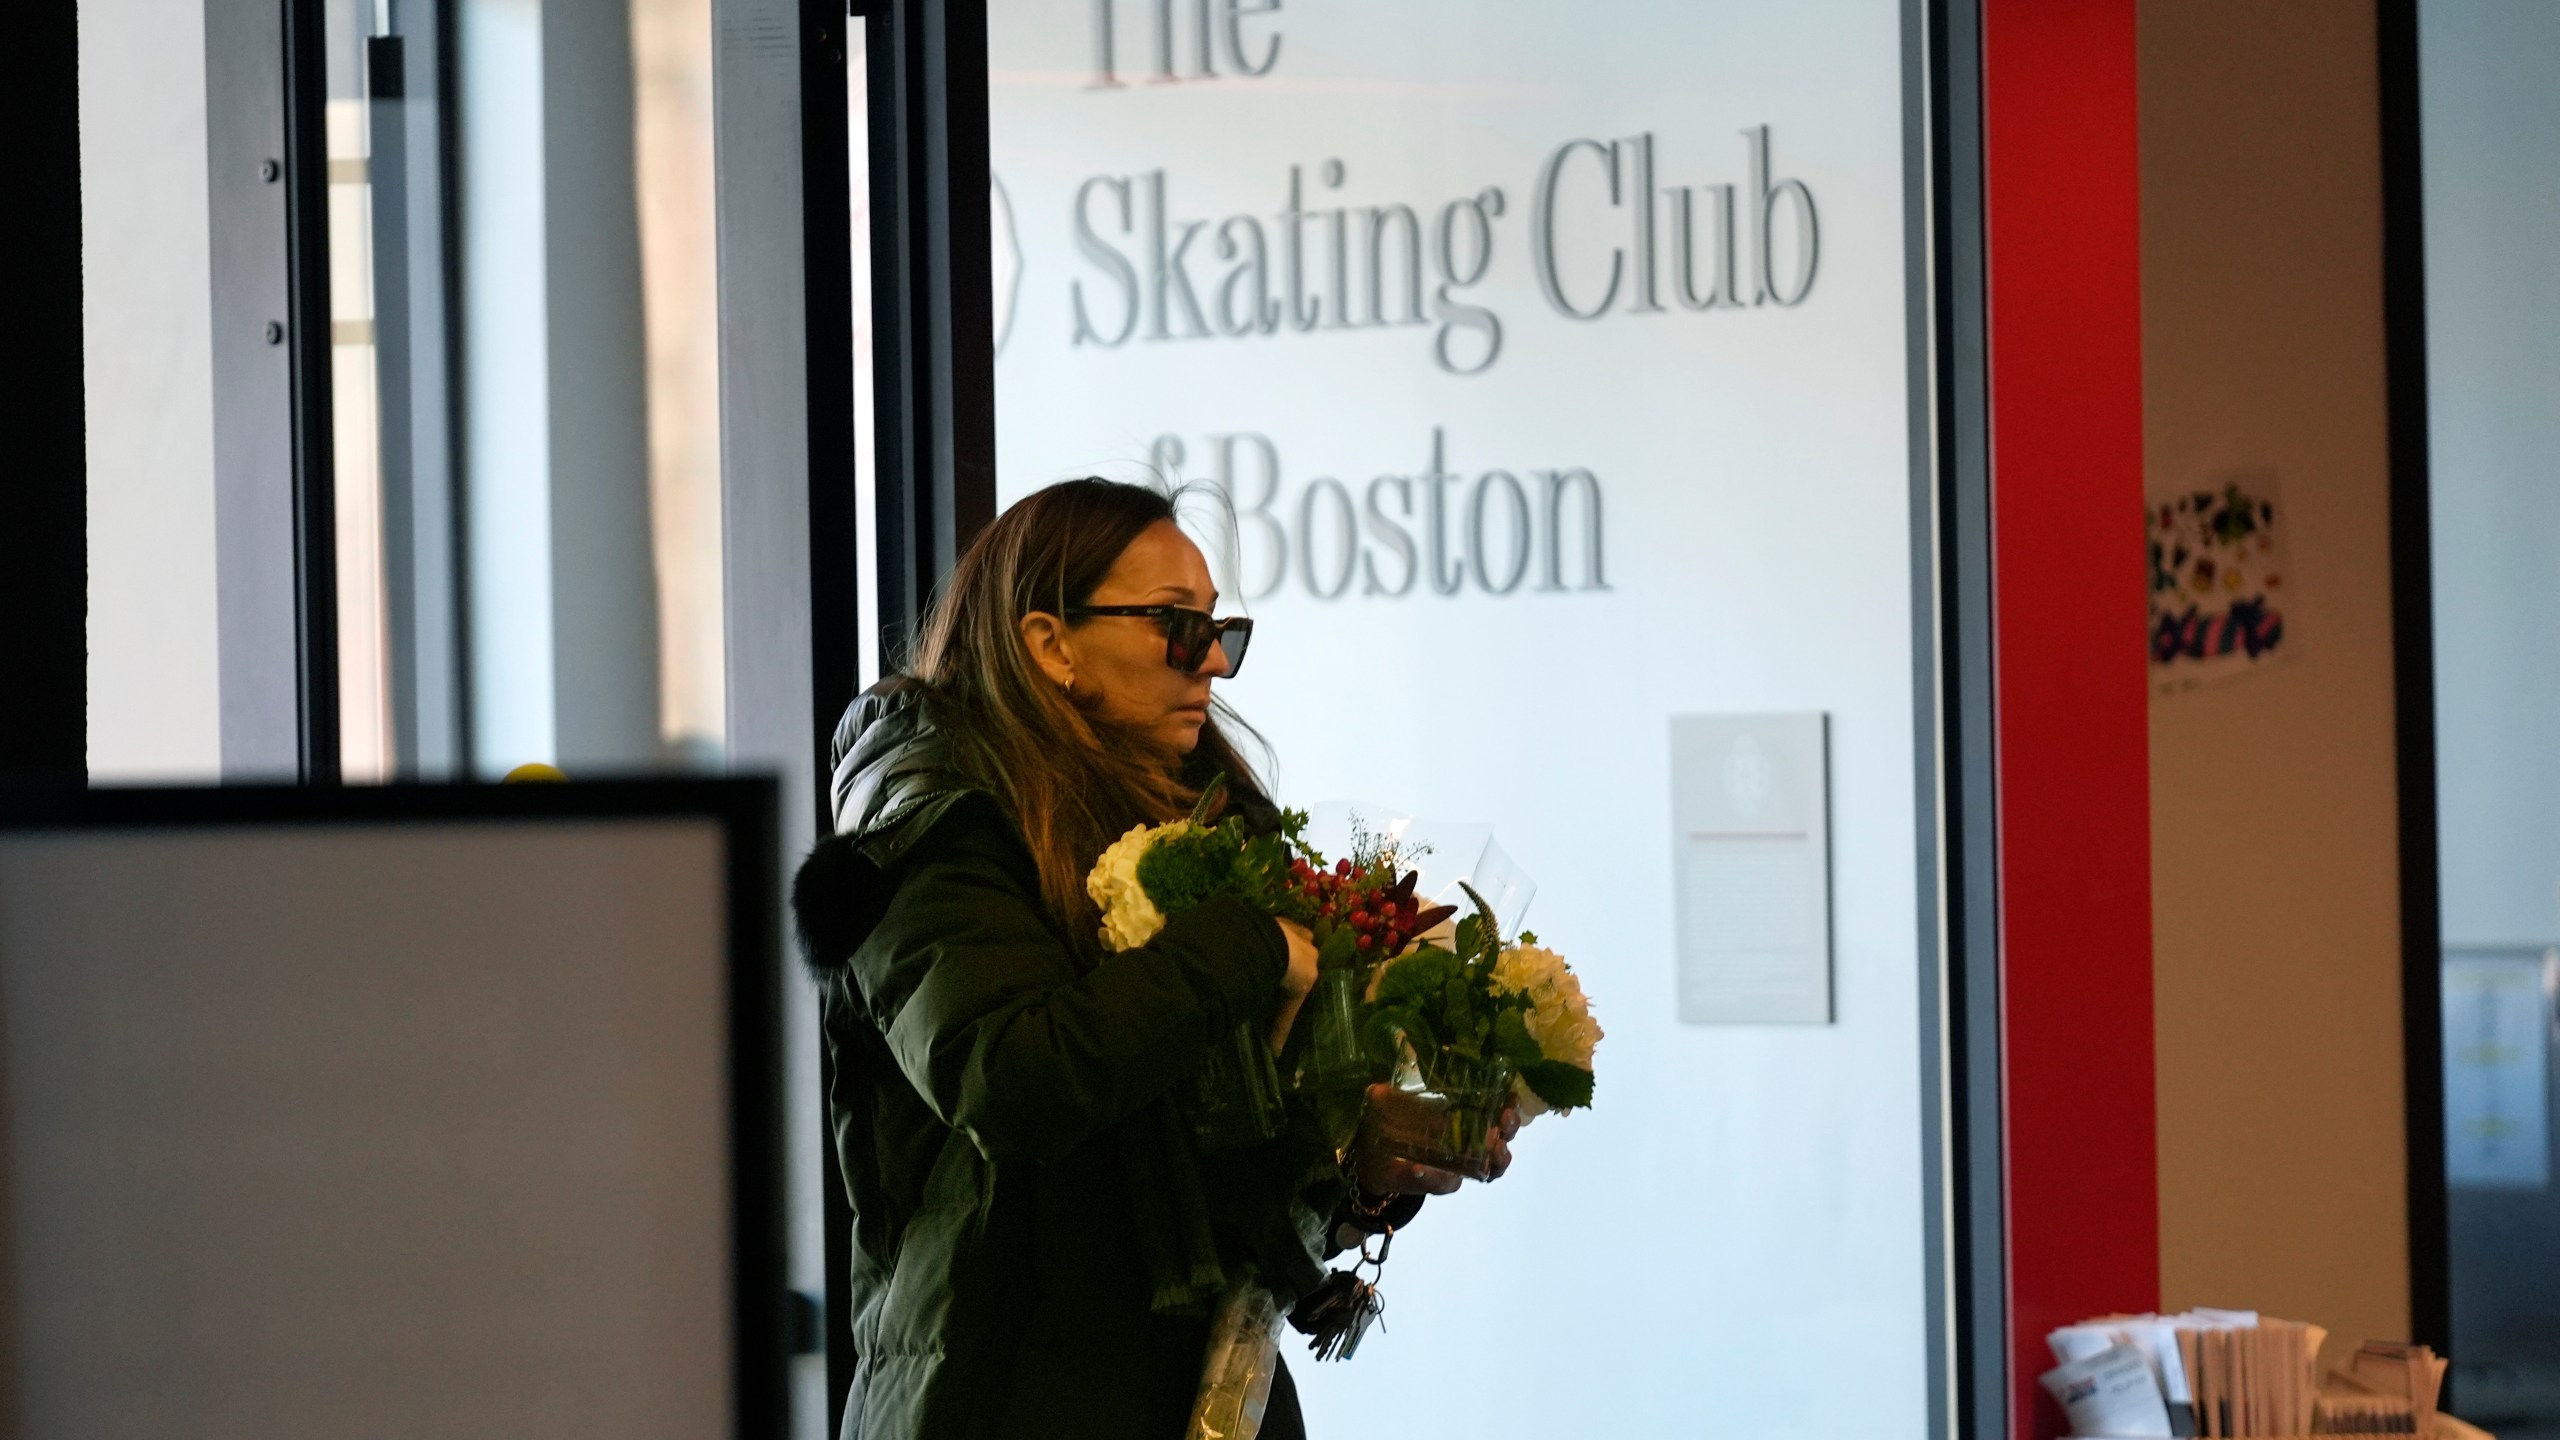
[1332, 1057]
[1445, 1118]
[1235, 1100]
[1333, 1070]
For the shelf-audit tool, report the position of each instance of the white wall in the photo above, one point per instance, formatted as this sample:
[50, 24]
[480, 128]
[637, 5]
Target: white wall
[154, 682]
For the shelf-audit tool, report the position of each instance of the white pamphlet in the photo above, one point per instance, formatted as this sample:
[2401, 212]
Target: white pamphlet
[2111, 1393]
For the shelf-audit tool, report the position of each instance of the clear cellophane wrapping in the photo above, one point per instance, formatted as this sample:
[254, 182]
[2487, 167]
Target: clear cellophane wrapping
[1244, 1355]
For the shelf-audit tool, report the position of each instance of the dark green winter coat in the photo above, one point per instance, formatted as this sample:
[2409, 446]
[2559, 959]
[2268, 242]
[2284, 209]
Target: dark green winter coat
[984, 1069]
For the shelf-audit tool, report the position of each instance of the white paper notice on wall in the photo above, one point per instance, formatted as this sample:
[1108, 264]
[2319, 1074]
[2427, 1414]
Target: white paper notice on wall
[1751, 867]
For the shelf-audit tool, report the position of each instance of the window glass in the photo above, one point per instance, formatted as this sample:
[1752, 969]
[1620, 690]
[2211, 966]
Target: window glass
[1552, 366]
[523, 461]
[524, 396]
[147, 347]
[2493, 353]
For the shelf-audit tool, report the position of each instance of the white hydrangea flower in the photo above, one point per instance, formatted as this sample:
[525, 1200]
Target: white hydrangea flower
[1559, 1017]
[1129, 918]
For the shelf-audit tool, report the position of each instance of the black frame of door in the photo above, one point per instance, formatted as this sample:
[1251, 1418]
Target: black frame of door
[2404, 320]
[308, 359]
[1964, 1126]
[44, 552]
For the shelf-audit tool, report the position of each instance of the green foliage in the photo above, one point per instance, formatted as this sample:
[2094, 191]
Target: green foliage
[1441, 999]
[1435, 999]
[1561, 1085]
[1438, 999]
[1211, 795]
[1432, 999]
[1189, 867]
[1337, 946]
[1186, 868]
[1409, 1002]
[1509, 1040]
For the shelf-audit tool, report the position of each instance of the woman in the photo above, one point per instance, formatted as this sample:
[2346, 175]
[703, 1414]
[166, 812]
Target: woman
[1037, 1240]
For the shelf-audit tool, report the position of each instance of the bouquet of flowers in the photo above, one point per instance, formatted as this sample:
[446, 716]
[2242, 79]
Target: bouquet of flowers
[1452, 1013]
[1358, 910]
[1476, 1026]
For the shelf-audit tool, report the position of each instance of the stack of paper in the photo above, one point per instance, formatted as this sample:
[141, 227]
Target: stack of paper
[2209, 1373]
[2236, 1374]
[2383, 1389]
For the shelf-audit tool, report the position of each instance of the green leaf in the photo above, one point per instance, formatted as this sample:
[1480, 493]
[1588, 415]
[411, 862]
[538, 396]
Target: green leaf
[1488, 934]
[1510, 1041]
[1337, 946]
[1457, 1002]
[1378, 1031]
[1210, 795]
[1562, 1086]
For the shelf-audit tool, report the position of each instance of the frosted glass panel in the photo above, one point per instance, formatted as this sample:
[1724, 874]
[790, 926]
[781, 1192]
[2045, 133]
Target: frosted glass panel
[1543, 369]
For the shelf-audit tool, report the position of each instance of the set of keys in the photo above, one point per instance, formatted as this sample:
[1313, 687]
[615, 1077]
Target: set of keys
[1340, 1311]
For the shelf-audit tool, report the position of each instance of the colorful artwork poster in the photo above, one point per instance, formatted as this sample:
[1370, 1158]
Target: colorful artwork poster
[2218, 578]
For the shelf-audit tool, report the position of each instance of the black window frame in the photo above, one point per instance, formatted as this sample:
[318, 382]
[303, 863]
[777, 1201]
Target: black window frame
[2404, 325]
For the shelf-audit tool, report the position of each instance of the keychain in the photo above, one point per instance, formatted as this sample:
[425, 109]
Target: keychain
[1339, 1312]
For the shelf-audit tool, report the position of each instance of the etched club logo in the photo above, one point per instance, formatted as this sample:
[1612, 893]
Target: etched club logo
[1748, 777]
[1005, 260]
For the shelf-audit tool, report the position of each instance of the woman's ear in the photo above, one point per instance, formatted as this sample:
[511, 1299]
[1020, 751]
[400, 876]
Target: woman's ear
[1045, 636]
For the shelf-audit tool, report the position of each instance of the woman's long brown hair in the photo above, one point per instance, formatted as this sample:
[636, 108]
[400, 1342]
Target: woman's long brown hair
[1072, 780]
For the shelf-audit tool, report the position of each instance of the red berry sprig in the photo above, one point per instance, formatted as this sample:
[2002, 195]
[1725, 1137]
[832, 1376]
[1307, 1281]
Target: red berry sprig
[1374, 903]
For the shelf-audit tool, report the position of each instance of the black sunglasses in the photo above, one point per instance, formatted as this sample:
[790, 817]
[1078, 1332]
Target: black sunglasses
[1188, 633]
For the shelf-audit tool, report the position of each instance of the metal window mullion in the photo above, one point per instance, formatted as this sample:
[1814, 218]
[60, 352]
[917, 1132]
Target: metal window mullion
[308, 359]
[414, 331]
[934, 341]
[2404, 309]
[246, 218]
[1969, 1153]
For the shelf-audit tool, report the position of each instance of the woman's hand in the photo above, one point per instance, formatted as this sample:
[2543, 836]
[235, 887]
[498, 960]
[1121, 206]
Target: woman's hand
[1381, 1171]
[1299, 979]
[1301, 976]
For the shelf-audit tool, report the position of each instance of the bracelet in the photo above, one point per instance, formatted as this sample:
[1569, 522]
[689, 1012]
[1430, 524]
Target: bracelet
[1359, 1200]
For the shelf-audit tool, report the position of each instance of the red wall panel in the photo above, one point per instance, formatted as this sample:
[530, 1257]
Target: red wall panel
[2063, 276]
